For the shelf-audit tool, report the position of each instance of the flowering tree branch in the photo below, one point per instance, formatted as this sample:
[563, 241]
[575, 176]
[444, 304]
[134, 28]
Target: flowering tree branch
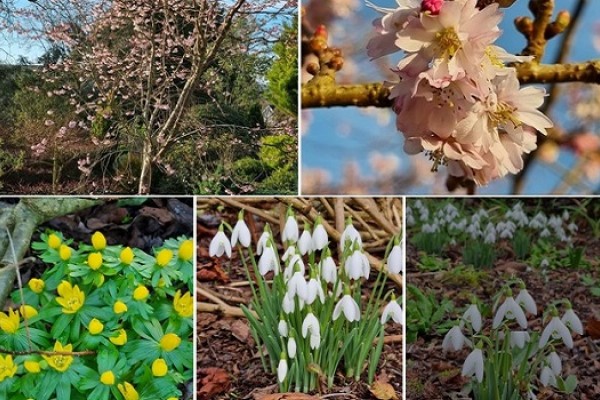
[328, 94]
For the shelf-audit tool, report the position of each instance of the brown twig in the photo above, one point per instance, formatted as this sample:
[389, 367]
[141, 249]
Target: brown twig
[226, 310]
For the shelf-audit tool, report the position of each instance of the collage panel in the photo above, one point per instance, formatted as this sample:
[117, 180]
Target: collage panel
[485, 97]
[96, 298]
[148, 97]
[502, 298]
[300, 298]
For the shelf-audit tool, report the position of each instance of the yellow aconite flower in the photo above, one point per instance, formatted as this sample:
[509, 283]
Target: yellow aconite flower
[126, 255]
[64, 252]
[161, 283]
[9, 323]
[36, 285]
[119, 307]
[184, 305]
[95, 327]
[7, 367]
[27, 311]
[186, 250]
[60, 362]
[108, 378]
[121, 339]
[159, 367]
[95, 260]
[98, 241]
[172, 398]
[128, 391]
[170, 342]
[71, 298]
[164, 257]
[54, 241]
[32, 366]
[140, 293]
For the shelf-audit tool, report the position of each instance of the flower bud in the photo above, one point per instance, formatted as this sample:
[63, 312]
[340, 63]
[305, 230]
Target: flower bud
[98, 241]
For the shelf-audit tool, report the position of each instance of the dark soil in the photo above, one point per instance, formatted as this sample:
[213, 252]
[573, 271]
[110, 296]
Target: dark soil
[432, 375]
[225, 343]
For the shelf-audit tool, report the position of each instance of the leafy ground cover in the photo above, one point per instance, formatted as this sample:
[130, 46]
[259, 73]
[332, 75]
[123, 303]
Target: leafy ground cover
[556, 254]
[228, 362]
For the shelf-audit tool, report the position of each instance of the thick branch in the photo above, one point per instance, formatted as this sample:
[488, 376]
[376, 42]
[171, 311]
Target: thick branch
[377, 95]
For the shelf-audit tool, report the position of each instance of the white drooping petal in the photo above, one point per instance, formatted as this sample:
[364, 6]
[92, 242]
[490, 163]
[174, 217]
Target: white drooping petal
[305, 242]
[297, 286]
[473, 316]
[240, 234]
[510, 310]
[290, 230]
[351, 235]
[396, 260]
[571, 320]
[296, 260]
[556, 329]
[291, 347]
[348, 306]
[288, 304]
[519, 338]
[268, 261]
[219, 245]
[310, 325]
[329, 270]
[454, 340]
[262, 241]
[474, 365]
[319, 238]
[547, 377]
[282, 370]
[314, 289]
[393, 310]
[525, 300]
[283, 328]
[315, 341]
[289, 253]
[554, 362]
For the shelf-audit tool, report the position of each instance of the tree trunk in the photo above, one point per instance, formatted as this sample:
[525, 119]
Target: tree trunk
[145, 182]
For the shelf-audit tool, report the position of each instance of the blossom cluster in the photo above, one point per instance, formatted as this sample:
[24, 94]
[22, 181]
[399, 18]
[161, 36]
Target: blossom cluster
[456, 98]
[510, 327]
[311, 290]
[103, 321]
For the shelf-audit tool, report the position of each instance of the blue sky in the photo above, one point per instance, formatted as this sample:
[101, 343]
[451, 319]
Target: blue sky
[339, 135]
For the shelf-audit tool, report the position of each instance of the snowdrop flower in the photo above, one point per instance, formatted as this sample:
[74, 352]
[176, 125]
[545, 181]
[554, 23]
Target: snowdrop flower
[296, 260]
[262, 241]
[291, 347]
[314, 289]
[572, 227]
[351, 235]
[393, 310]
[571, 320]
[283, 328]
[554, 362]
[311, 325]
[357, 266]
[454, 340]
[282, 368]
[474, 365]
[547, 377]
[545, 233]
[240, 233]
[219, 244]
[297, 286]
[305, 242]
[525, 300]
[328, 270]
[473, 316]
[288, 304]
[290, 230]
[350, 308]
[319, 236]
[544, 263]
[556, 329]
[395, 260]
[510, 310]
[268, 261]
[289, 253]
[519, 338]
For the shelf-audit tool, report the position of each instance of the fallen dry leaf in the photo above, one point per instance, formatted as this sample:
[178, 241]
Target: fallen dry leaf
[383, 390]
[240, 330]
[215, 381]
[592, 328]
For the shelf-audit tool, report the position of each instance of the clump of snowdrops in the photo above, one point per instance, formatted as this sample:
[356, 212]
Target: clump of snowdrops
[307, 313]
[509, 360]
